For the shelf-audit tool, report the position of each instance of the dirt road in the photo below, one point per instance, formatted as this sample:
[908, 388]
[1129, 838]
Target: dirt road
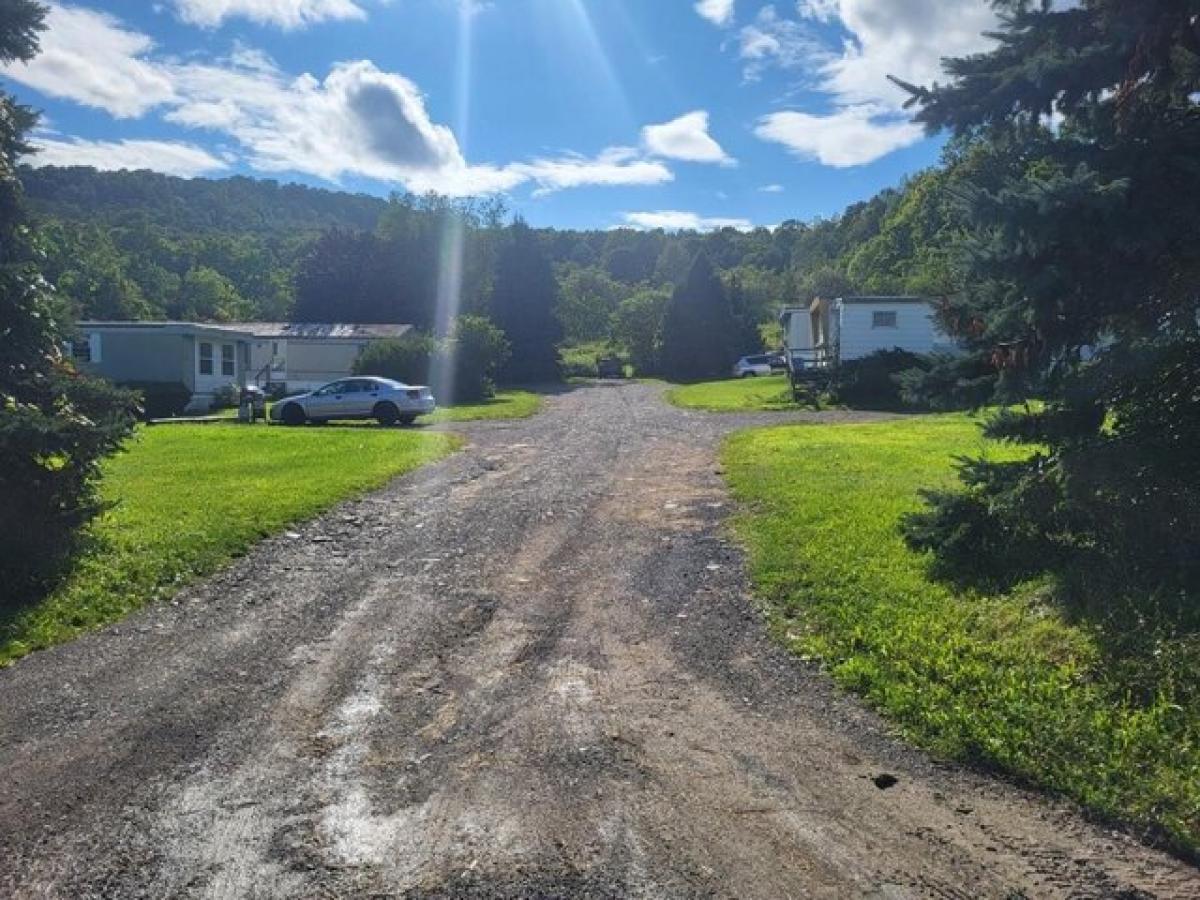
[529, 671]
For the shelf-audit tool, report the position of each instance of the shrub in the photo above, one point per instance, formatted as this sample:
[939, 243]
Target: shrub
[477, 350]
[227, 396]
[874, 382]
[54, 433]
[160, 399]
[461, 368]
[408, 359]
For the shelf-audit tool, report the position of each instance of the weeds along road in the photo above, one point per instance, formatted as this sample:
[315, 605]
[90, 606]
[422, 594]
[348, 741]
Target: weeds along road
[529, 671]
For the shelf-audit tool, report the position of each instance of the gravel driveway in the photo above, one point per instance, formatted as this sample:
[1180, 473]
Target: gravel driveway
[531, 670]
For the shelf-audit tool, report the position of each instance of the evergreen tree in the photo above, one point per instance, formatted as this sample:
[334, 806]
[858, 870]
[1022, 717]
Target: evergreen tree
[523, 304]
[1081, 287]
[55, 426]
[699, 328]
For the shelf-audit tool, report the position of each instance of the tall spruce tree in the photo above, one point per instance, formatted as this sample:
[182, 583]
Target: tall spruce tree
[700, 331]
[524, 301]
[1081, 287]
[55, 425]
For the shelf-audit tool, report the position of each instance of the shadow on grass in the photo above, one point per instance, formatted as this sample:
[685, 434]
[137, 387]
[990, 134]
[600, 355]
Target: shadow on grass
[55, 569]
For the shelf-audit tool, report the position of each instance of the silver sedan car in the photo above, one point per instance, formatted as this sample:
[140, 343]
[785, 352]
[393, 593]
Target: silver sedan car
[382, 399]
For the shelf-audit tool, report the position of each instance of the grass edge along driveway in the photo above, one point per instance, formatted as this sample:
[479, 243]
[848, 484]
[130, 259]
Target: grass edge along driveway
[768, 393]
[190, 498]
[507, 404]
[1006, 681]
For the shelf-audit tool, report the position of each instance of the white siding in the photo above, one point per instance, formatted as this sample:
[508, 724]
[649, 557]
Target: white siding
[312, 364]
[915, 329]
[799, 336]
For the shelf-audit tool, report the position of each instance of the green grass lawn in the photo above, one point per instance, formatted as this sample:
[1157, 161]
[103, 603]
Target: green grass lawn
[189, 498]
[1009, 681]
[512, 404]
[766, 394]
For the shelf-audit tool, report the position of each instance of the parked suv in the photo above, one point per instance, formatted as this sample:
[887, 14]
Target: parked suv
[750, 366]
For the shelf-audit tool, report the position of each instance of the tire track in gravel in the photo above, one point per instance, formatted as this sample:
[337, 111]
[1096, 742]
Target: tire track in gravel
[532, 670]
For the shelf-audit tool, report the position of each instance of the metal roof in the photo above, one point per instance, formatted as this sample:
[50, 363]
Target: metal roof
[326, 331]
[167, 327]
[882, 299]
[321, 330]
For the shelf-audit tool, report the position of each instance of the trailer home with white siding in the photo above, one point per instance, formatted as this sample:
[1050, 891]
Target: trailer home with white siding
[829, 332]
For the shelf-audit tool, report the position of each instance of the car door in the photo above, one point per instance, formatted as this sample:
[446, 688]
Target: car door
[327, 402]
[370, 394]
[364, 393]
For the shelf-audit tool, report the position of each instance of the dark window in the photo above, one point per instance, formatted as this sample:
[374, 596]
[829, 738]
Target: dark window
[227, 365]
[82, 350]
[883, 320]
[206, 358]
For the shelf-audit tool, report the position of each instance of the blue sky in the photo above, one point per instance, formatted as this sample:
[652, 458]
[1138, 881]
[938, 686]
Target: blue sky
[584, 113]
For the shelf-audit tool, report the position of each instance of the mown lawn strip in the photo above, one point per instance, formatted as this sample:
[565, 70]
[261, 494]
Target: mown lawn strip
[1006, 680]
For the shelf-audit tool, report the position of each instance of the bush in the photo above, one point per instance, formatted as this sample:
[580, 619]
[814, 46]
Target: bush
[160, 399]
[408, 359]
[874, 382]
[473, 355]
[53, 435]
[461, 368]
[227, 396]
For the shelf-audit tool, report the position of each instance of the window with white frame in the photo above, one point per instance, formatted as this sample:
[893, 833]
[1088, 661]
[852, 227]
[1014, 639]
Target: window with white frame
[81, 350]
[882, 319]
[227, 364]
[206, 358]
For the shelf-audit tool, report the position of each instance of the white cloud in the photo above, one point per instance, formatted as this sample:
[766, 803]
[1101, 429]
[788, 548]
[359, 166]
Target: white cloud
[674, 220]
[719, 12]
[771, 189]
[904, 38]
[287, 14]
[772, 41]
[170, 157]
[685, 138]
[852, 136]
[614, 166]
[357, 121]
[91, 58]
[366, 122]
[821, 10]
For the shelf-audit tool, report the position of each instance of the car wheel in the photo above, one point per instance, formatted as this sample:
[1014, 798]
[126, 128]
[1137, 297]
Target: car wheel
[293, 414]
[749, 374]
[386, 413]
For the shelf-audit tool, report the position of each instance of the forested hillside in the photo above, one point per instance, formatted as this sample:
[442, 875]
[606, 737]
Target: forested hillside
[235, 204]
[142, 245]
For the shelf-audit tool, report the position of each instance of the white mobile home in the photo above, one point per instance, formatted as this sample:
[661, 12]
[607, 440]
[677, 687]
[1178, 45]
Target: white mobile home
[204, 358]
[831, 331]
[302, 356]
